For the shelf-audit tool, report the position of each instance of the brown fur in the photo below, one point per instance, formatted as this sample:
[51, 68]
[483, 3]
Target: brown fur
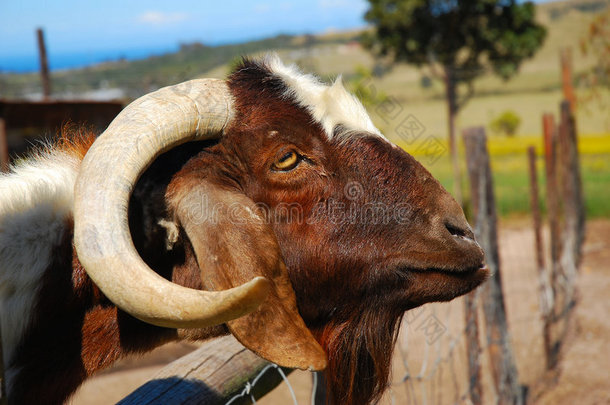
[359, 351]
[75, 140]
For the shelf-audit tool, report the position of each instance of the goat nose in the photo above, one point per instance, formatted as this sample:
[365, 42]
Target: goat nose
[459, 230]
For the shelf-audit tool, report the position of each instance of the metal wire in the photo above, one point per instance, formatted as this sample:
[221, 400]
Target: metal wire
[247, 391]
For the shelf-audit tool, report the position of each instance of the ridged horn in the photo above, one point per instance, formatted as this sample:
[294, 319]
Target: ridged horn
[151, 125]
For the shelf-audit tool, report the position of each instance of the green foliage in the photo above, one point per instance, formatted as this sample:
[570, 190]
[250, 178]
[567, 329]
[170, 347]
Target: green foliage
[361, 84]
[506, 123]
[466, 36]
[511, 178]
[597, 44]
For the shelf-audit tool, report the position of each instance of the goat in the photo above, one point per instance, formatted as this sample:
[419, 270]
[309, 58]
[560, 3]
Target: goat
[267, 206]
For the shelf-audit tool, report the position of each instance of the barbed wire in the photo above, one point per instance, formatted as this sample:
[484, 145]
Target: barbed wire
[247, 391]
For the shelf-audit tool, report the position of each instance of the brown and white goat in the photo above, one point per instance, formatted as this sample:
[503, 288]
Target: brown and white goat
[323, 231]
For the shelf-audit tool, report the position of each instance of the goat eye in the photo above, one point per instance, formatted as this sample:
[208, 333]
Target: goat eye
[287, 162]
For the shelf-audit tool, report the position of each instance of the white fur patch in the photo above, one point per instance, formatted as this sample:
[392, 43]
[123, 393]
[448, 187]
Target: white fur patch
[36, 199]
[329, 105]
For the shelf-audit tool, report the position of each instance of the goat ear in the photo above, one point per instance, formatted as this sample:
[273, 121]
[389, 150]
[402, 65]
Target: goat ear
[233, 243]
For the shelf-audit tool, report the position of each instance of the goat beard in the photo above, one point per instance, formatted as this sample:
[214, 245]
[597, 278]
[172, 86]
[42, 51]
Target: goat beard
[359, 348]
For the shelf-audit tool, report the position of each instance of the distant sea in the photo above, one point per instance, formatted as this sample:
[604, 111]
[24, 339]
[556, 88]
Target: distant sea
[72, 60]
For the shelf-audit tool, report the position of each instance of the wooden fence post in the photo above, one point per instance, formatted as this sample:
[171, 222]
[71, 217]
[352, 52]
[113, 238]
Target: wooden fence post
[4, 159]
[473, 348]
[546, 293]
[572, 196]
[574, 220]
[553, 214]
[483, 202]
[552, 197]
[44, 64]
[221, 371]
[567, 78]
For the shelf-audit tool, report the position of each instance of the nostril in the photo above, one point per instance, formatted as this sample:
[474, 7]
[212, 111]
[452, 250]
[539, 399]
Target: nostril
[454, 230]
[458, 231]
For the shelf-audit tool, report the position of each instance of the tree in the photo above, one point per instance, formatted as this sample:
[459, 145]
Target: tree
[358, 85]
[506, 123]
[457, 41]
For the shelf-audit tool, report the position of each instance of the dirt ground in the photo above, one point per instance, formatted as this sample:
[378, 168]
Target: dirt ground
[434, 372]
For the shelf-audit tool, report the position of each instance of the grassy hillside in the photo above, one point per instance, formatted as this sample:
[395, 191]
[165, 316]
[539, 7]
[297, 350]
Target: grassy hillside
[510, 171]
[535, 90]
[141, 76]
[327, 54]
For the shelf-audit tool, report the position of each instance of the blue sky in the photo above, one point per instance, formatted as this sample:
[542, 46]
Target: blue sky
[88, 29]
[73, 26]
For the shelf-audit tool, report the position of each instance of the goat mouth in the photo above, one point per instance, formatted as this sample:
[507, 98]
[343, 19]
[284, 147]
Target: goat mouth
[476, 272]
[440, 285]
[459, 272]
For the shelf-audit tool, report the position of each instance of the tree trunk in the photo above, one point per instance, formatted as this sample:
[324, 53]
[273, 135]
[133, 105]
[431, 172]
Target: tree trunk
[451, 96]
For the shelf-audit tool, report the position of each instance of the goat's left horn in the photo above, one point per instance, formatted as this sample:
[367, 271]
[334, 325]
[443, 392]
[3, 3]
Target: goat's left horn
[151, 125]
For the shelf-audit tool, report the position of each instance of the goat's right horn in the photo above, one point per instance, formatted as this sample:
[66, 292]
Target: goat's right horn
[151, 125]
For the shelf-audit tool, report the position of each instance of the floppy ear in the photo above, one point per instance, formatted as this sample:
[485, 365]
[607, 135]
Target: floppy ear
[233, 243]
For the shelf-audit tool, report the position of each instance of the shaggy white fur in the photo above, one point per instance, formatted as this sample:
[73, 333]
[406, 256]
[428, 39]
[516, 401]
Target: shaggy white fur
[36, 199]
[329, 105]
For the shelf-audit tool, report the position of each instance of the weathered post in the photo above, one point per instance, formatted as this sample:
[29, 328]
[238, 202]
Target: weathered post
[574, 218]
[483, 203]
[574, 209]
[552, 197]
[546, 293]
[566, 77]
[4, 159]
[473, 348]
[44, 64]
[220, 372]
[553, 213]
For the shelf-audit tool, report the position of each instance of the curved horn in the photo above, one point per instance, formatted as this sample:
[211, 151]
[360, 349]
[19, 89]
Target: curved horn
[151, 125]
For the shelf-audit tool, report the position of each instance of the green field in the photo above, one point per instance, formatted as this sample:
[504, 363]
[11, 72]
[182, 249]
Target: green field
[534, 91]
[511, 177]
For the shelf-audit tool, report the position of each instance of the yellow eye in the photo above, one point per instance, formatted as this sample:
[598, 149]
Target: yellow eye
[288, 161]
